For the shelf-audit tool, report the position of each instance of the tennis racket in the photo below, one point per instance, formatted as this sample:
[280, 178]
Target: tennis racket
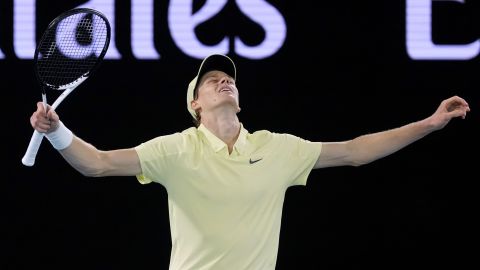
[71, 48]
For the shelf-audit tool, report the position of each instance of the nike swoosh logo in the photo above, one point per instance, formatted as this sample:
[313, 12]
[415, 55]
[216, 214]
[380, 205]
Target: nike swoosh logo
[255, 161]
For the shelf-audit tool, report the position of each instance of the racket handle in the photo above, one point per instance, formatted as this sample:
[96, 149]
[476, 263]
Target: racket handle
[29, 157]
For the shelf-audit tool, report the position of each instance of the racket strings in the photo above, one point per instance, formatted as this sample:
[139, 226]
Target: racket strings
[71, 48]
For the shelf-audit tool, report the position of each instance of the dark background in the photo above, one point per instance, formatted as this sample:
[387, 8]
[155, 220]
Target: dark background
[343, 71]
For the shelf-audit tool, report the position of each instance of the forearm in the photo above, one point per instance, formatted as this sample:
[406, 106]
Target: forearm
[370, 147]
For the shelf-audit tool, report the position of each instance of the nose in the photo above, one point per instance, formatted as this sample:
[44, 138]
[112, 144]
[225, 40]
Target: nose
[226, 79]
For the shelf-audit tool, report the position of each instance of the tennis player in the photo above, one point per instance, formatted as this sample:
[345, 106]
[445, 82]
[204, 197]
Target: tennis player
[226, 185]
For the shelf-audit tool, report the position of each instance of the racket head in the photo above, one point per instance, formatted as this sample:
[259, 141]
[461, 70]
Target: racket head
[71, 48]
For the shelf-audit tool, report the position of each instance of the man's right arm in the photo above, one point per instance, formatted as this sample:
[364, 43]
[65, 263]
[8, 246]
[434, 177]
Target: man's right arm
[92, 162]
[82, 156]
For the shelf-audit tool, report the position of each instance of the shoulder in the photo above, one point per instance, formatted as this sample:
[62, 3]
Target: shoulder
[271, 135]
[261, 137]
[172, 143]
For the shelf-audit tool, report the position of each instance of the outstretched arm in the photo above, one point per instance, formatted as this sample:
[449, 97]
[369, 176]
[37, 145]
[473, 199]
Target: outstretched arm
[367, 148]
[83, 156]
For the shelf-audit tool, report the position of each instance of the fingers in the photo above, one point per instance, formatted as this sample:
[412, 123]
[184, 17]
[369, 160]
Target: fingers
[459, 111]
[40, 107]
[53, 116]
[43, 121]
[462, 101]
[40, 122]
[459, 100]
[50, 113]
[455, 103]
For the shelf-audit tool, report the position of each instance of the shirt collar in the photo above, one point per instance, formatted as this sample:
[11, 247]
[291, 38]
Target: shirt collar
[217, 144]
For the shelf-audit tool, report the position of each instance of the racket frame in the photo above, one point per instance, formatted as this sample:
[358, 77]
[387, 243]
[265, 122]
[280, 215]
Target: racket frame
[37, 137]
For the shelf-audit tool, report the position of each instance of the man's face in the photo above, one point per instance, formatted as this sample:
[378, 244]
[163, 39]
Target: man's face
[216, 90]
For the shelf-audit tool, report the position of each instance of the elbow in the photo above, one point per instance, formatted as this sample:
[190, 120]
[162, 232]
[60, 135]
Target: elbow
[358, 161]
[358, 157]
[93, 168]
[91, 173]
[354, 156]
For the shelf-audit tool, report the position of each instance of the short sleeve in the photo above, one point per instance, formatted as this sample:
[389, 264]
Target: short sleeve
[301, 157]
[158, 157]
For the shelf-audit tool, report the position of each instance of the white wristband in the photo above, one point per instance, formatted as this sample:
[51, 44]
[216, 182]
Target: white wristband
[61, 138]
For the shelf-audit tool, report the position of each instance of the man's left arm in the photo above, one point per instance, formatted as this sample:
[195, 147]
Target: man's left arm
[367, 148]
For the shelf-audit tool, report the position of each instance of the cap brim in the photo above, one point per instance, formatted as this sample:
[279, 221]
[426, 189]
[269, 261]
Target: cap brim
[217, 62]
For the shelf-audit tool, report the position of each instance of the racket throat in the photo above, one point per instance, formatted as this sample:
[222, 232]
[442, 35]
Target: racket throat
[44, 99]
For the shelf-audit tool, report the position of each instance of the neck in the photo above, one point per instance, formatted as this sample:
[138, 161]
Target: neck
[225, 126]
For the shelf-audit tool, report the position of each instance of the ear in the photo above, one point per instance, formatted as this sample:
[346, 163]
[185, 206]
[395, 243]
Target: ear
[195, 105]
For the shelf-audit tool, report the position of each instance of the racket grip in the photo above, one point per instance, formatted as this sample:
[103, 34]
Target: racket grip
[31, 153]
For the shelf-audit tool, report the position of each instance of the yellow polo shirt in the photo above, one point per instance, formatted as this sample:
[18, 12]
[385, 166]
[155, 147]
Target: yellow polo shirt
[225, 209]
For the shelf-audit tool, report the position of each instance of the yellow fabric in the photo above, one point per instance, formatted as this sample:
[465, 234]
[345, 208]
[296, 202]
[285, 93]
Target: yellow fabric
[225, 209]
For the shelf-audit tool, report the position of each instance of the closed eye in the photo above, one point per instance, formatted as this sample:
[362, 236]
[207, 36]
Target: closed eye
[211, 81]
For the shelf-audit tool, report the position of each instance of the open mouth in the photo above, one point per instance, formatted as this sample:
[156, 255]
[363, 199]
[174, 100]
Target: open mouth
[226, 89]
